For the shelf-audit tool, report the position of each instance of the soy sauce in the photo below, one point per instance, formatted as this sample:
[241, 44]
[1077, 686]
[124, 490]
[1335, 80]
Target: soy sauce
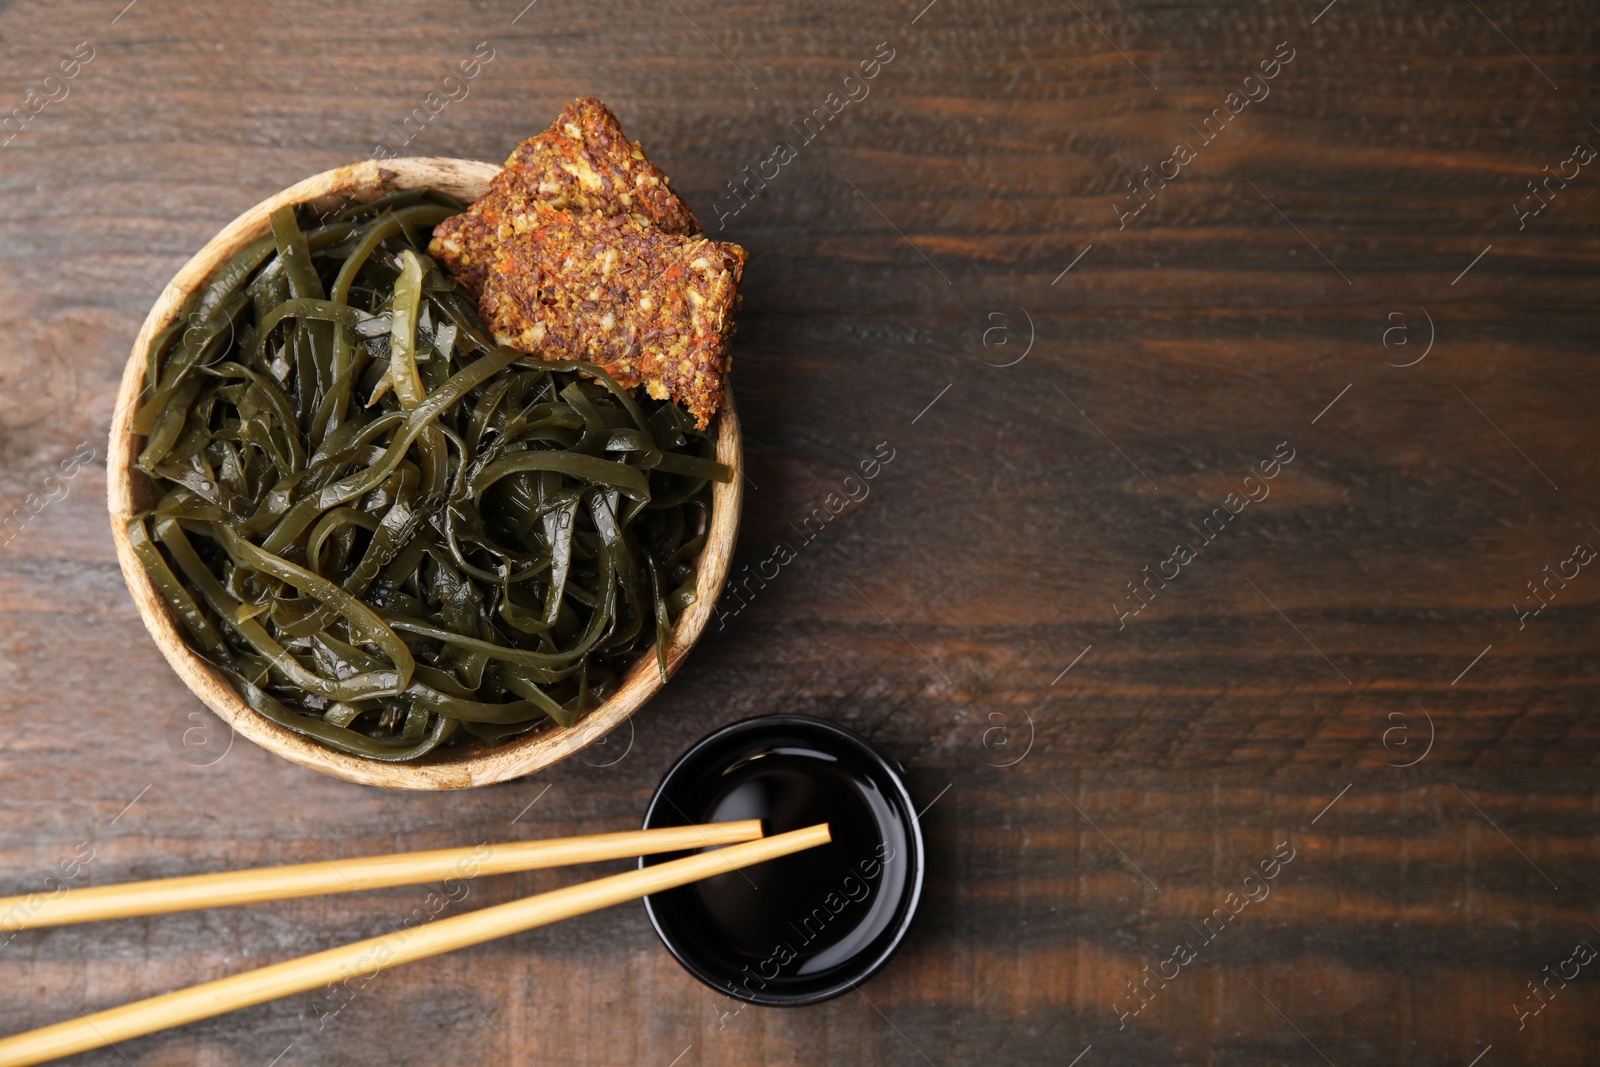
[794, 926]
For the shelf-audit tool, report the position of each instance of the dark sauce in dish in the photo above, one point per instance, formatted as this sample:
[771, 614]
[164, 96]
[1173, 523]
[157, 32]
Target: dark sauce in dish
[802, 927]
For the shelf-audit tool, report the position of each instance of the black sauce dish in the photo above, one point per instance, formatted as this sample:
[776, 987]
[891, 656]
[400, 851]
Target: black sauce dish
[807, 927]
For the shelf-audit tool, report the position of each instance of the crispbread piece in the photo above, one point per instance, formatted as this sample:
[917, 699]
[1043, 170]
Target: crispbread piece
[582, 163]
[651, 307]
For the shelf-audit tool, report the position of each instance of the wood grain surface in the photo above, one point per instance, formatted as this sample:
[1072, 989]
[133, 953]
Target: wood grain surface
[1340, 673]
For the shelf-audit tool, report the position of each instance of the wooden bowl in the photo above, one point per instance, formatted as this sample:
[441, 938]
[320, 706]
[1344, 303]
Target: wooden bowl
[453, 766]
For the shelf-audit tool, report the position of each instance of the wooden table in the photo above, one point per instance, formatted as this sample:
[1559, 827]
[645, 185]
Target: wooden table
[1071, 378]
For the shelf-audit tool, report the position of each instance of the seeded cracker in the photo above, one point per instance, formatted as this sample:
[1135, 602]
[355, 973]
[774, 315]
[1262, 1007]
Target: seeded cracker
[580, 250]
[653, 308]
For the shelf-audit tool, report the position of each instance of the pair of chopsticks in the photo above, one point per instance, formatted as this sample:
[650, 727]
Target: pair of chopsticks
[746, 847]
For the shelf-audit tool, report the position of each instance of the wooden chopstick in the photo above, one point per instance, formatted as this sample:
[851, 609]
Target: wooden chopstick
[389, 950]
[347, 876]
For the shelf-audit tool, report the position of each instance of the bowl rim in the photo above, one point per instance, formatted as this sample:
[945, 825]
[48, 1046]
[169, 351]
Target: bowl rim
[452, 767]
[889, 775]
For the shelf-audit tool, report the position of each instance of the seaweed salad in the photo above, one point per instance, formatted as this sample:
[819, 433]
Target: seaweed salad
[388, 530]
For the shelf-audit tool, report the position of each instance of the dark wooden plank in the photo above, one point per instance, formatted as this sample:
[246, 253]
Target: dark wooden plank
[1278, 674]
